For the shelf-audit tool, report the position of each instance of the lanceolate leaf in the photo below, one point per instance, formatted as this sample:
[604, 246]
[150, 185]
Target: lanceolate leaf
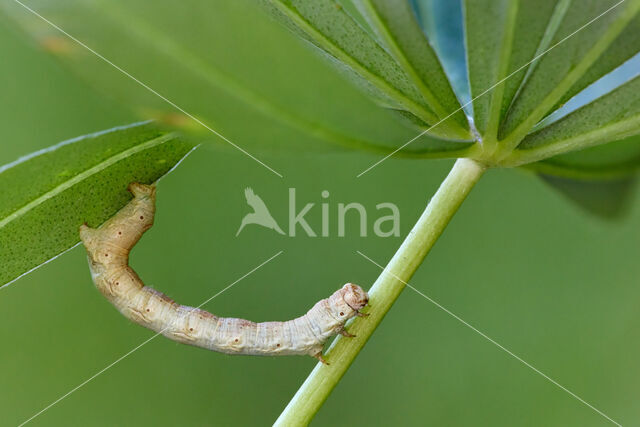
[442, 22]
[622, 49]
[326, 25]
[587, 30]
[599, 179]
[609, 118]
[396, 27]
[266, 78]
[489, 33]
[536, 25]
[613, 161]
[46, 196]
[607, 199]
[503, 58]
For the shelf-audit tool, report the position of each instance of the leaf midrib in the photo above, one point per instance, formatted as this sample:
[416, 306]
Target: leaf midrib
[84, 175]
[550, 31]
[502, 67]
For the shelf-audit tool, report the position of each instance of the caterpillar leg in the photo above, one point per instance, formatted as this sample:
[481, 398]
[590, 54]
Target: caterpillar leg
[318, 356]
[344, 333]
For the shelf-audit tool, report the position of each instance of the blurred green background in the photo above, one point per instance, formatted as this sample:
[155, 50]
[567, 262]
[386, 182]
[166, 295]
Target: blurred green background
[554, 285]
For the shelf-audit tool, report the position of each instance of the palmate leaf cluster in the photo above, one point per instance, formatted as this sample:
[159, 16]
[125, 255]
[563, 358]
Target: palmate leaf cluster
[511, 66]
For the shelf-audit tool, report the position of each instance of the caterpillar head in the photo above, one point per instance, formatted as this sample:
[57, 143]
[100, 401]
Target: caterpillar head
[355, 296]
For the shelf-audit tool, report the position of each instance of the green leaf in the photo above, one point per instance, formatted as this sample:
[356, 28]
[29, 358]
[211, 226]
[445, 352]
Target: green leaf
[442, 22]
[621, 50]
[536, 25]
[326, 25]
[502, 60]
[599, 179]
[351, 9]
[489, 35]
[612, 117]
[613, 161]
[587, 30]
[396, 27]
[292, 98]
[46, 196]
[267, 78]
[329, 27]
[606, 199]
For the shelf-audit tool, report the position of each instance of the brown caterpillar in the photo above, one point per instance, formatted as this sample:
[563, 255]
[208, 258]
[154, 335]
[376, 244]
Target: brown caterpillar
[108, 250]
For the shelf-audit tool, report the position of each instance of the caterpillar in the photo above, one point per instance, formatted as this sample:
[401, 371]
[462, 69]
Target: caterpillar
[108, 248]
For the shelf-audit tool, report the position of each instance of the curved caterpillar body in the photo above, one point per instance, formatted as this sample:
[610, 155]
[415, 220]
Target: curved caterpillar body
[108, 251]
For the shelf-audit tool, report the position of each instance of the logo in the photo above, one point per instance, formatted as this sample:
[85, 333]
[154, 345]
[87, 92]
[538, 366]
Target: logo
[384, 225]
[260, 215]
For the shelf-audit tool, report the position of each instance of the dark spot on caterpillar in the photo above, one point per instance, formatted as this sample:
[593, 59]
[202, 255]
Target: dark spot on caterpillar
[277, 345]
[117, 283]
[236, 340]
[205, 314]
[191, 329]
[141, 217]
[106, 254]
[341, 313]
[119, 233]
[148, 310]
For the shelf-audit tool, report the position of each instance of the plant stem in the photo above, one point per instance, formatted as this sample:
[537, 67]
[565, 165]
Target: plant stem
[319, 384]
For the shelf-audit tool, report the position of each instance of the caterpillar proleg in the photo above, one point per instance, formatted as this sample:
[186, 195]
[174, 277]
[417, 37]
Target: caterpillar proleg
[108, 250]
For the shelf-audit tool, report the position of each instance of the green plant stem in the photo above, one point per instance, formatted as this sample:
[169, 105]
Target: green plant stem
[319, 384]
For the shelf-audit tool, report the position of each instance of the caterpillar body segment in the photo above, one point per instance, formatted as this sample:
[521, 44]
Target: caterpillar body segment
[108, 250]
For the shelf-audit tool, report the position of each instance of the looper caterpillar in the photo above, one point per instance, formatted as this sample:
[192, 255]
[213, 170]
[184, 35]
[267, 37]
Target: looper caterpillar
[108, 250]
